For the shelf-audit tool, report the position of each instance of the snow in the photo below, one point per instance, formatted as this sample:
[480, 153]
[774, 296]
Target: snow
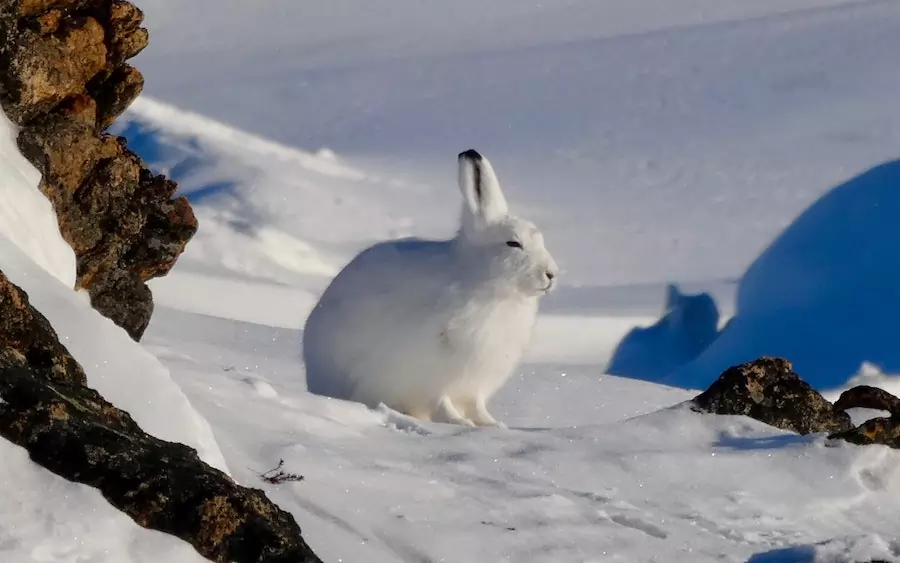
[26, 216]
[653, 142]
[48, 519]
[44, 517]
[118, 368]
[591, 469]
[834, 267]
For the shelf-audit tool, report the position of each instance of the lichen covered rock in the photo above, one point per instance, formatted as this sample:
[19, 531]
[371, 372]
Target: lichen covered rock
[71, 430]
[879, 430]
[768, 390]
[64, 80]
[868, 397]
[27, 332]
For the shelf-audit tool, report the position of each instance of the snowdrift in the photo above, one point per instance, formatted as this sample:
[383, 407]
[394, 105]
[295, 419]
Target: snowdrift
[26, 216]
[825, 294]
[43, 516]
[118, 368]
[46, 518]
[32, 254]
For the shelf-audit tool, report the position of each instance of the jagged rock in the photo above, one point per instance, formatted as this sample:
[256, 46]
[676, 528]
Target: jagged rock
[25, 330]
[71, 430]
[115, 94]
[867, 397]
[40, 71]
[63, 80]
[881, 430]
[128, 37]
[768, 390]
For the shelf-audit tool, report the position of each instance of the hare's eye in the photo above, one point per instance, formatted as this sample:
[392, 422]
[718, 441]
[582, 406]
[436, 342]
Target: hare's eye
[514, 244]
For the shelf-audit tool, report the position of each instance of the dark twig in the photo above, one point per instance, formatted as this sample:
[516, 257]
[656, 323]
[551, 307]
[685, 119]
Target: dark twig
[276, 476]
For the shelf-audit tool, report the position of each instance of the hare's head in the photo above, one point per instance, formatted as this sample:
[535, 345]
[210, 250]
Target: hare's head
[508, 248]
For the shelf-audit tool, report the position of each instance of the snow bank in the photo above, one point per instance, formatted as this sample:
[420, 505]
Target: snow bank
[26, 216]
[825, 294]
[689, 325]
[266, 211]
[117, 367]
[46, 518]
[121, 370]
[274, 220]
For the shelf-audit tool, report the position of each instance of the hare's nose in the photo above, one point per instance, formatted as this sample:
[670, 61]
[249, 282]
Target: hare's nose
[550, 276]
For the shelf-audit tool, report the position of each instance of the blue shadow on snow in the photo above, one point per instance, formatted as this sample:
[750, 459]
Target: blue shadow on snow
[825, 294]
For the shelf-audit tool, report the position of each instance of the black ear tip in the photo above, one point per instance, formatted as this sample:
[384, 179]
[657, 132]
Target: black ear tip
[471, 154]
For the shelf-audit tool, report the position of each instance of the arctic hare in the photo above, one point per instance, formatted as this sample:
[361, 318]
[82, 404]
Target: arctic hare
[433, 328]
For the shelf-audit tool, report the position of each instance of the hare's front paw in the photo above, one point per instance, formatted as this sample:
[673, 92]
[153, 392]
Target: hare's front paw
[476, 410]
[493, 424]
[446, 411]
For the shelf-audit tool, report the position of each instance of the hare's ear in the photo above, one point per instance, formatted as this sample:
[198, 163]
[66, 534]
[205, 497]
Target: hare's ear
[480, 188]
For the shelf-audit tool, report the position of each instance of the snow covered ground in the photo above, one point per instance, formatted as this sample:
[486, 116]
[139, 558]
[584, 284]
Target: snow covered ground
[43, 517]
[652, 141]
[591, 469]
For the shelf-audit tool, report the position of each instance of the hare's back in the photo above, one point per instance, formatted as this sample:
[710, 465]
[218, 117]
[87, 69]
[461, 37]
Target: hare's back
[390, 281]
[385, 303]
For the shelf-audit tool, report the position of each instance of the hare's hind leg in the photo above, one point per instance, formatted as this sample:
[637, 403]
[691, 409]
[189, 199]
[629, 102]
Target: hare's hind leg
[476, 410]
[446, 411]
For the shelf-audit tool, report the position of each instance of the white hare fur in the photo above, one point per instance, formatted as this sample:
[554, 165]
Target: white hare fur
[433, 328]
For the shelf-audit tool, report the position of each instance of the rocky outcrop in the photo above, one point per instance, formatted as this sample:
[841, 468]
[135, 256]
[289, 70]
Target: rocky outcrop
[868, 397]
[71, 430]
[879, 430]
[63, 80]
[768, 390]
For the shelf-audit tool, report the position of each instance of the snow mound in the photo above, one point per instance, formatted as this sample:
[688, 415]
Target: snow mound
[271, 217]
[688, 326]
[120, 369]
[825, 294]
[266, 211]
[44, 515]
[46, 518]
[35, 257]
[215, 167]
[26, 216]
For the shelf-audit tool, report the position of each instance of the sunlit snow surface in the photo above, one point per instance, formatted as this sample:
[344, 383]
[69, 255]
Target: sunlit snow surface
[652, 142]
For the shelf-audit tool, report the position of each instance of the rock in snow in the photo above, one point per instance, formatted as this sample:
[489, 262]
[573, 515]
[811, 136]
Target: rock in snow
[74, 432]
[768, 390]
[879, 430]
[64, 80]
